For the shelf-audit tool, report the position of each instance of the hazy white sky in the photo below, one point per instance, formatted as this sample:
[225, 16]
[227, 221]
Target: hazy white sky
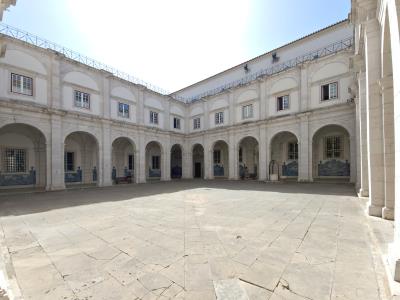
[174, 43]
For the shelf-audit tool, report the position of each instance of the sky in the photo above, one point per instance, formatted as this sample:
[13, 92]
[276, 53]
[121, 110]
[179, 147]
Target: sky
[174, 43]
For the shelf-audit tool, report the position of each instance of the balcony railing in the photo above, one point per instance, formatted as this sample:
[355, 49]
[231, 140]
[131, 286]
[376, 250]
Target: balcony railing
[71, 54]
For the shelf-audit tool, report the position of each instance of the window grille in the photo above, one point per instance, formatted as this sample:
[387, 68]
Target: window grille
[247, 111]
[217, 156]
[329, 91]
[177, 123]
[196, 123]
[14, 160]
[333, 147]
[155, 163]
[82, 100]
[283, 103]
[131, 162]
[21, 84]
[293, 151]
[123, 110]
[219, 118]
[153, 117]
[69, 161]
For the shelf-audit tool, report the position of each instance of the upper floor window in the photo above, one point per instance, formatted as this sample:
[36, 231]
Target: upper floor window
[293, 151]
[217, 156]
[282, 103]
[196, 123]
[247, 111]
[123, 110]
[82, 100]
[21, 84]
[68, 161]
[14, 160]
[153, 117]
[329, 91]
[219, 118]
[333, 147]
[155, 163]
[177, 123]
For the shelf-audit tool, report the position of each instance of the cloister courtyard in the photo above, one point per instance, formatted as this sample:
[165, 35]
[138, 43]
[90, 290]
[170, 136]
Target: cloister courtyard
[193, 240]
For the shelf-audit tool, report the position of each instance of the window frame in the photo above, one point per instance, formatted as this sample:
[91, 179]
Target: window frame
[219, 118]
[66, 169]
[16, 167]
[247, 111]
[293, 154]
[81, 100]
[336, 83]
[131, 162]
[196, 123]
[331, 153]
[22, 79]
[283, 97]
[217, 156]
[153, 117]
[125, 113]
[177, 123]
[155, 162]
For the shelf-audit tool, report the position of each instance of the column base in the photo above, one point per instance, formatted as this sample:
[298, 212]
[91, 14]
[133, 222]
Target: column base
[363, 193]
[394, 260]
[55, 187]
[375, 211]
[388, 213]
[304, 180]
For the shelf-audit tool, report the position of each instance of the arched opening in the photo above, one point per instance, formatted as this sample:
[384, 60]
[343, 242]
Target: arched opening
[123, 161]
[176, 162]
[198, 161]
[284, 157]
[248, 158]
[220, 159]
[331, 154]
[23, 156]
[81, 157]
[153, 161]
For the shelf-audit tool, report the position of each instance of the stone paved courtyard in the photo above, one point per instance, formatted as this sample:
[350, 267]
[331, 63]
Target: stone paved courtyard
[191, 240]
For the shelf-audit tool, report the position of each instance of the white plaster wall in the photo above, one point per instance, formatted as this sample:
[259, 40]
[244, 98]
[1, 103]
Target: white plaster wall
[68, 100]
[314, 42]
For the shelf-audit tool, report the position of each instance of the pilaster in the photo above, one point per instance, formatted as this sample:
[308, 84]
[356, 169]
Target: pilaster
[304, 146]
[262, 154]
[56, 158]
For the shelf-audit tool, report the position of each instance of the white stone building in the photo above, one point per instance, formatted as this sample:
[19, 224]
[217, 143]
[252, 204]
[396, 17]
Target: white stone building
[322, 108]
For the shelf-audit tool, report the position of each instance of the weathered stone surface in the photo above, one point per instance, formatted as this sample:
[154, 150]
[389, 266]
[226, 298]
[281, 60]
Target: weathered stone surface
[201, 240]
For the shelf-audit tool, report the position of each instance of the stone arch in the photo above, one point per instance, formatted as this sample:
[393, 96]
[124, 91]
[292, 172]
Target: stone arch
[198, 160]
[23, 156]
[248, 157]
[284, 155]
[154, 160]
[81, 158]
[220, 159]
[124, 158]
[331, 153]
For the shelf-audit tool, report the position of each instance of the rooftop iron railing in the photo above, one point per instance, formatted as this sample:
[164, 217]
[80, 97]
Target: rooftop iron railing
[328, 50]
[71, 54]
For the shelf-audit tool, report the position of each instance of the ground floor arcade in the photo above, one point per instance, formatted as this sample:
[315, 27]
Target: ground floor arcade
[86, 157]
